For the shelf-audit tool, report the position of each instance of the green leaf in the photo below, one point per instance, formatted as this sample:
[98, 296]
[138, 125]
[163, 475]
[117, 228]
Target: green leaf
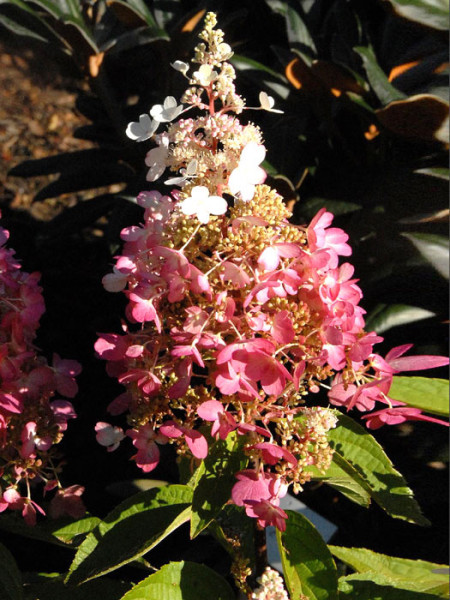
[18, 27]
[431, 13]
[387, 316]
[10, 577]
[128, 10]
[378, 80]
[261, 75]
[298, 34]
[355, 587]
[344, 478]
[182, 581]
[310, 207]
[386, 486]
[432, 247]
[428, 394]
[401, 573]
[214, 479]
[133, 528]
[308, 566]
[438, 172]
[68, 532]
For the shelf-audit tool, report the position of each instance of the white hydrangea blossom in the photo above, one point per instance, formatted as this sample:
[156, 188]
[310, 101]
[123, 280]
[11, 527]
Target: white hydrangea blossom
[141, 130]
[203, 205]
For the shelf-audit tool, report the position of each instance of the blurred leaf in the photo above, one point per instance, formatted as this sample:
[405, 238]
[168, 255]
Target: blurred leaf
[431, 13]
[132, 529]
[401, 573]
[311, 207]
[70, 13]
[10, 577]
[439, 172]
[298, 34]
[432, 247]
[182, 581]
[386, 316]
[378, 80]
[214, 479]
[134, 13]
[422, 117]
[440, 216]
[19, 27]
[385, 485]
[344, 478]
[429, 394]
[357, 587]
[308, 566]
[261, 75]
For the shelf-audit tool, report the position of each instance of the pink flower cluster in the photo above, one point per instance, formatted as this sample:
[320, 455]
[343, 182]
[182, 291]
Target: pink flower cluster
[235, 315]
[32, 418]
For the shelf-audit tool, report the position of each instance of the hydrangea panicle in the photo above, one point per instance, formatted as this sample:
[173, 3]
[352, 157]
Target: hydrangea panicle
[237, 317]
[32, 417]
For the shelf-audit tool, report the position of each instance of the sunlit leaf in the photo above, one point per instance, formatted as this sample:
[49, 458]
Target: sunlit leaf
[308, 566]
[387, 316]
[428, 394]
[182, 581]
[432, 247]
[431, 13]
[401, 573]
[133, 528]
[344, 478]
[384, 483]
[358, 587]
[439, 172]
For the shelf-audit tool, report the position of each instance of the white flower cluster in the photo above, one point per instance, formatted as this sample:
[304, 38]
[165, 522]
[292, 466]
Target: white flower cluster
[271, 587]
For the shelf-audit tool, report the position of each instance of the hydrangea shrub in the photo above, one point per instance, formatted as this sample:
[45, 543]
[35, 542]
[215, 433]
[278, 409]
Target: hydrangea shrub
[236, 317]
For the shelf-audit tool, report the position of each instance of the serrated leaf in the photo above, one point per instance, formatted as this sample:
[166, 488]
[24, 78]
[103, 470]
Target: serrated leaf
[417, 575]
[182, 581]
[431, 13]
[432, 247]
[387, 316]
[214, 479]
[132, 529]
[384, 483]
[355, 587]
[344, 478]
[67, 532]
[429, 394]
[308, 566]
[10, 577]
[378, 80]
